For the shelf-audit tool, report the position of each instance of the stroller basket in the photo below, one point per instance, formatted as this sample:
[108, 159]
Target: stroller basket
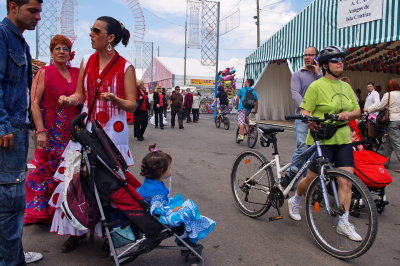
[114, 190]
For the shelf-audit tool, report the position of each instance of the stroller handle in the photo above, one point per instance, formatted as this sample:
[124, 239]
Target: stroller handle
[77, 124]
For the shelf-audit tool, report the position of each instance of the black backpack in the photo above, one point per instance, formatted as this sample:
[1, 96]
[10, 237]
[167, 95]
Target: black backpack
[249, 100]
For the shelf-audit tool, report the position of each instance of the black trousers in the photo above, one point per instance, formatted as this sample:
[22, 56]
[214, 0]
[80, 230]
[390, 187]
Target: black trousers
[158, 116]
[187, 110]
[196, 114]
[140, 123]
[176, 111]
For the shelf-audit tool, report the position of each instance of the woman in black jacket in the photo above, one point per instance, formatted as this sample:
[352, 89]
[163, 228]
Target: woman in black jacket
[160, 103]
[142, 112]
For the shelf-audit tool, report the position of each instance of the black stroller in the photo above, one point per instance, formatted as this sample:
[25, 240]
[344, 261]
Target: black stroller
[111, 190]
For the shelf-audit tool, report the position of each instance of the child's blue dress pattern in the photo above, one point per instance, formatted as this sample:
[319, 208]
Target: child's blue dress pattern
[174, 211]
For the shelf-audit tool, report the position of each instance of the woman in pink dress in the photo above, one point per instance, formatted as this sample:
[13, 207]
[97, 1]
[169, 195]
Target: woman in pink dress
[52, 128]
[116, 97]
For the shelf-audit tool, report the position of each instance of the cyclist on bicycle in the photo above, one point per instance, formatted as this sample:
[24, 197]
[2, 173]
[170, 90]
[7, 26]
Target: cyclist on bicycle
[245, 106]
[331, 95]
[223, 99]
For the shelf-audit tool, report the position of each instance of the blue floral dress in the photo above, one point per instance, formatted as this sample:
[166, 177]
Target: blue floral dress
[174, 211]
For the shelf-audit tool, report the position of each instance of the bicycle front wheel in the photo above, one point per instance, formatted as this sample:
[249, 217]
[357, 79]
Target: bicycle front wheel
[227, 123]
[251, 187]
[324, 227]
[218, 121]
[252, 137]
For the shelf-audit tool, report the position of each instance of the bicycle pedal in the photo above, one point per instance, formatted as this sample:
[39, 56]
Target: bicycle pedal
[275, 218]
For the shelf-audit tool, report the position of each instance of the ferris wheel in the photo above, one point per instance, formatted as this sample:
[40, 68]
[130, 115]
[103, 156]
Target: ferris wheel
[61, 16]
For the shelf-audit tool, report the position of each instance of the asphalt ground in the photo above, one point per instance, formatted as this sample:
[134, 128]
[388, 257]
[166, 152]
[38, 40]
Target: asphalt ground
[203, 156]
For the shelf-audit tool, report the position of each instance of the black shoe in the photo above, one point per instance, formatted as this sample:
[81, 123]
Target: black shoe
[72, 243]
[140, 138]
[181, 127]
[161, 127]
[156, 126]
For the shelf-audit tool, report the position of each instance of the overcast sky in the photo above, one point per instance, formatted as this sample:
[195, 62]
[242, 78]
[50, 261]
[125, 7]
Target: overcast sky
[165, 20]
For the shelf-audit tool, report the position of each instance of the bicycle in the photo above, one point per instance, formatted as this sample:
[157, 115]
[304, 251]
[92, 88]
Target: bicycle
[256, 189]
[250, 130]
[223, 116]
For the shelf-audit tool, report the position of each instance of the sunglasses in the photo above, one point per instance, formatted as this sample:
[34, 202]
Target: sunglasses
[336, 60]
[58, 49]
[95, 30]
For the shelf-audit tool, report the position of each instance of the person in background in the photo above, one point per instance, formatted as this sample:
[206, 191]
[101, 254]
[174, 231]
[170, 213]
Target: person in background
[188, 104]
[160, 102]
[176, 104]
[15, 82]
[393, 128]
[52, 127]
[372, 97]
[196, 107]
[299, 84]
[359, 99]
[151, 101]
[223, 99]
[244, 112]
[142, 112]
[167, 98]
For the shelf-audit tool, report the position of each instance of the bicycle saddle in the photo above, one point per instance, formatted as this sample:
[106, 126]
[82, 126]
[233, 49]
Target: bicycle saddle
[270, 129]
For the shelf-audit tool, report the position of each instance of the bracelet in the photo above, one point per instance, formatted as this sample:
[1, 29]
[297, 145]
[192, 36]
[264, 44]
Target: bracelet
[41, 131]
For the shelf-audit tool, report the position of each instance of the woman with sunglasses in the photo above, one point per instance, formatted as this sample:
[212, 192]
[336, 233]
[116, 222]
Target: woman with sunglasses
[52, 127]
[116, 96]
[331, 95]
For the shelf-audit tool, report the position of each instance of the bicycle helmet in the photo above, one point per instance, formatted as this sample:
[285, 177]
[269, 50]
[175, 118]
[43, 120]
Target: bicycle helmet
[330, 52]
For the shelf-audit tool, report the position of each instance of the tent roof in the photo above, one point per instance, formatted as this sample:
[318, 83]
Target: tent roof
[195, 68]
[317, 26]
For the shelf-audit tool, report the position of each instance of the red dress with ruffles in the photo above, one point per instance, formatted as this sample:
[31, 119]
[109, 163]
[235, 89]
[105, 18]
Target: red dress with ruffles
[40, 183]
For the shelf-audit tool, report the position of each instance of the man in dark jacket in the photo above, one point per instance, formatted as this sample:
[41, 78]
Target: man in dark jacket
[176, 103]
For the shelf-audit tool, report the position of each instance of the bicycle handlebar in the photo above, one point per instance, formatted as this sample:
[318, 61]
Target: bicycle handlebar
[308, 119]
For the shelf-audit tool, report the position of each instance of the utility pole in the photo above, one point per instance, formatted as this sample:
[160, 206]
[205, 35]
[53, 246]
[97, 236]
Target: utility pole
[184, 60]
[257, 18]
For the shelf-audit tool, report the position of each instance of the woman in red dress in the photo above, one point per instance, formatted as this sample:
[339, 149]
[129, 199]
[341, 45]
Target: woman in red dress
[52, 128]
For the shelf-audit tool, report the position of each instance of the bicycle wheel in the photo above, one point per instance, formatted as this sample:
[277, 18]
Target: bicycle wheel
[227, 123]
[251, 190]
[323, 226]
[252, 137]
[218, 121]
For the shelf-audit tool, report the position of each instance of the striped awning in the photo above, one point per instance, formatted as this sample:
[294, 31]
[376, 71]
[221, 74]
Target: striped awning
[316, 26]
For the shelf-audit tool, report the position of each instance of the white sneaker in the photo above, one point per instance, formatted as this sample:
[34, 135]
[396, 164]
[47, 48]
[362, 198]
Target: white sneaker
[32, 257]
[347, 229]
[294, 210]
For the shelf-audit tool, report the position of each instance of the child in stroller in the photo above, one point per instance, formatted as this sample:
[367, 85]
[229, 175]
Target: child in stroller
[369, 167]
[172, 211]
[108, 184]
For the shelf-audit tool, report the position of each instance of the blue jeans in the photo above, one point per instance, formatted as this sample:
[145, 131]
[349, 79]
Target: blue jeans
[301, 135]
[12, 199]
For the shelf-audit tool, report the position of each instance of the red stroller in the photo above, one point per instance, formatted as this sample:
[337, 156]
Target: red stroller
[369, 167]
[112, 190]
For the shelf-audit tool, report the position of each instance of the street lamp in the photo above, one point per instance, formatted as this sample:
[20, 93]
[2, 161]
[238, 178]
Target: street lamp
[257, 18]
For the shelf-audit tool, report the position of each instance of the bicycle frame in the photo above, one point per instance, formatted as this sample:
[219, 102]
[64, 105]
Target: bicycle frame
[316, 152]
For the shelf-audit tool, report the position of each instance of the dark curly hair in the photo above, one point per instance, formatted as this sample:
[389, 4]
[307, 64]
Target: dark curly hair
[155, 163]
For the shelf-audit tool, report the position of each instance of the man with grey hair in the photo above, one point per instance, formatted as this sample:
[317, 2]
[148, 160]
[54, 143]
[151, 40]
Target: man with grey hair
[299, 83]
[15, 81]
